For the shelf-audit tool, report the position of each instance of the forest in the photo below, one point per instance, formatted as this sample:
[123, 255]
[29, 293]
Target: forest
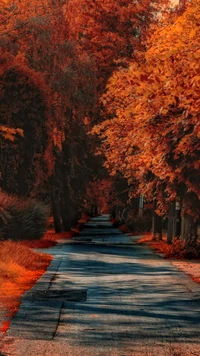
[100, 111]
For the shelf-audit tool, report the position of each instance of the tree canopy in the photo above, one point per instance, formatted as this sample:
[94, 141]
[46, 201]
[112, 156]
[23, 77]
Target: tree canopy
[153, 134]
[131, 68]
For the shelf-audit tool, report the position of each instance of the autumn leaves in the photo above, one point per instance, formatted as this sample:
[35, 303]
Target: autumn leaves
[155, 130]
[47, 90]
[71, 51]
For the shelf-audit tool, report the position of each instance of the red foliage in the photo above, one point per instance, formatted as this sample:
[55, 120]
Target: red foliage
[179, 249]
[5, 326]
[111, 31]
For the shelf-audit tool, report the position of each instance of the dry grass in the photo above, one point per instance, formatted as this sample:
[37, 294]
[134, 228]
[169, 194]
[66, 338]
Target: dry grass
[160, 246]
[49, 239]
[20, 267]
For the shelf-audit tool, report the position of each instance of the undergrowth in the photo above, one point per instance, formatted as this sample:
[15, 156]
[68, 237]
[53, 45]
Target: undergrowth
[179, 249]
[21, 267]
[22, 219]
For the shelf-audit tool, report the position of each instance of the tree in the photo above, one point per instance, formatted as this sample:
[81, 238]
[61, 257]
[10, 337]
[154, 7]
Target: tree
[53, 87]
[153, 134]
[110, 31]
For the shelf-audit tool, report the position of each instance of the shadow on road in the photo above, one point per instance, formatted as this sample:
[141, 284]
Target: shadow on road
[132, 296]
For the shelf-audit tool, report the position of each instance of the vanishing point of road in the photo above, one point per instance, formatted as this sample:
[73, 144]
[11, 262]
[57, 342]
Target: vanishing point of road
[104, 295]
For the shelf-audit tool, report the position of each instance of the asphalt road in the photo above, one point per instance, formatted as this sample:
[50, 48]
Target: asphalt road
[105, 295]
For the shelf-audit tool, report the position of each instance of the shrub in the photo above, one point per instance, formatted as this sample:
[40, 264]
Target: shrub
[22, 219]
[140, 224]
[181, 249]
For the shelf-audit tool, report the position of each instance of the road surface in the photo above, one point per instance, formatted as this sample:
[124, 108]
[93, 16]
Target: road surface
[105, 295]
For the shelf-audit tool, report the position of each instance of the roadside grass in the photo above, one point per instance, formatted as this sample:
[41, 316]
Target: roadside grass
[179, 249]
[160, 246]
[185, 258]
[20, 268]
[49, 239]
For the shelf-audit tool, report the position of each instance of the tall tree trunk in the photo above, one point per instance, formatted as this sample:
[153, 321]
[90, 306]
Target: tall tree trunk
[56, 207]
[177, 227]
[190, 230]
[113, 212]
[94, 210]
[76, 216]
[66, 222]
[157, 224]
[66, 206]
[141, 206]
[188, 227]
[170, 229]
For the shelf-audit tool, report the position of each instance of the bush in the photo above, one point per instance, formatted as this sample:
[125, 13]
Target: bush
[140, 224]
[22, 219]
[181, 249]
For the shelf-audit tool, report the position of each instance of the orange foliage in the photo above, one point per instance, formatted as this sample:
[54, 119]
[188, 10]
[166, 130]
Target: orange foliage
[179, 249]
[20, 267]
[98, 193]
[111, 31]
[154, 134]
[10, 133]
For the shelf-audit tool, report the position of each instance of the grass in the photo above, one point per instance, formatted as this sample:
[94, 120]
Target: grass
[20, 267]
[49, 239]
[160, 246]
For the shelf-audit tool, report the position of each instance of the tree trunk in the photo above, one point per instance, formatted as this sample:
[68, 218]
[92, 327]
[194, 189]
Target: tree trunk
[177, 227]
[188, 227]
[66, 222]
[113, 212]
[190, 230]
[157, 224]
[170, 229]
[56, 208]
[66, 210]
[76, 217]
[56, 217]
[141, 206]
[93, 210]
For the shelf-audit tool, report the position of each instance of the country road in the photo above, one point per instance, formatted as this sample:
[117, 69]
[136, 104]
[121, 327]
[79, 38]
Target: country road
[105, 295]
